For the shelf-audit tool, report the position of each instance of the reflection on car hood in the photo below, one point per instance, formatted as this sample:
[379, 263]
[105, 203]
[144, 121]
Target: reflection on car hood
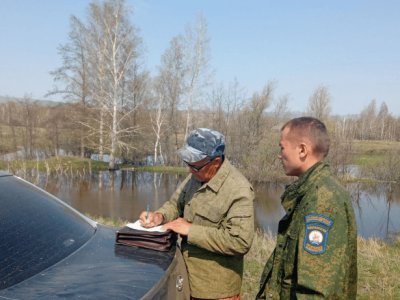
[98, 270]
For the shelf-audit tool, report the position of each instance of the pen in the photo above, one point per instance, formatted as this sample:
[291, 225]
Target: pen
[147, 213]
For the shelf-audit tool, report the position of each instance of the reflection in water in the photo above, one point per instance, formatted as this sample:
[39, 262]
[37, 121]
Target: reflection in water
[377, 208]
[124, 194]
[120, 194]
[268, 209]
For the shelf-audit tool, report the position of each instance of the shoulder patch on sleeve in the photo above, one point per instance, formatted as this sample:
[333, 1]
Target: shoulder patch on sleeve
[316, 235]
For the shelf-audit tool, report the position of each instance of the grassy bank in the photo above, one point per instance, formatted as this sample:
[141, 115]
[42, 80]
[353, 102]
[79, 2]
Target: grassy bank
[366, 153]
[60, 164]
[77, 165]
[378, 265]
[158, 169]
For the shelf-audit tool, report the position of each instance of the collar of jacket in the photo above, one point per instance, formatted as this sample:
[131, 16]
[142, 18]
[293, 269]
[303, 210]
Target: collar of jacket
[219, 178]
[297, 189]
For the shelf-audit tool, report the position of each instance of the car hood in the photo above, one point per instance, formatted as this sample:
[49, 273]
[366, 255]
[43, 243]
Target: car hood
[100, 269]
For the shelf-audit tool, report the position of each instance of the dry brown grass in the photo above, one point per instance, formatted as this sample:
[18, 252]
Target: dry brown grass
[378, 269]
[255, 259]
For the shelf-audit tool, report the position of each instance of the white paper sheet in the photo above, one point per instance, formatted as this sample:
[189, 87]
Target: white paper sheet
[138, 226]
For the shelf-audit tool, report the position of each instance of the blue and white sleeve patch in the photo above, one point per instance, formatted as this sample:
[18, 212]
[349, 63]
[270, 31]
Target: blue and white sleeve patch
[316, 235]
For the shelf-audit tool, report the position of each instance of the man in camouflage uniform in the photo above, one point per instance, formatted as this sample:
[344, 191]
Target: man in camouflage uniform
[316, 249]
[212, 210]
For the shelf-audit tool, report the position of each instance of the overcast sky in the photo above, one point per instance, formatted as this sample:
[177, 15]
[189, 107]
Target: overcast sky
[351, 47]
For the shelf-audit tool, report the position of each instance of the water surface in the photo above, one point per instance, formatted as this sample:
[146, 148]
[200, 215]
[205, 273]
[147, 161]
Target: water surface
[124, 194]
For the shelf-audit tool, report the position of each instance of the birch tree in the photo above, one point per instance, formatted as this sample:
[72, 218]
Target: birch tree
[74, 73]
[319, 103]
[101, 68]
[197, 61]
[10, 121]
[367, 121]
[117, 49]
[170, 87]
[158, 119]
[29, 118]
[382, 120]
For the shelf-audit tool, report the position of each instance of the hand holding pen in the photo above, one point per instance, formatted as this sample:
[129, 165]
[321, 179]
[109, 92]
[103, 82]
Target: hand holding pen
[149, 219]
[147, 213]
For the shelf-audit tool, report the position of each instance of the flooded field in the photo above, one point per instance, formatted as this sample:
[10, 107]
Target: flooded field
[124, 194]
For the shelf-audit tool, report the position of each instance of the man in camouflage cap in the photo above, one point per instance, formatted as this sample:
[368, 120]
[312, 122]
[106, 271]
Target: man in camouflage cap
[212, 210]
[316, 248]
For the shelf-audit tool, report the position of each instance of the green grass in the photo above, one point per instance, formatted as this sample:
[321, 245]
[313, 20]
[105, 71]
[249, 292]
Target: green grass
[368, 159]
[369, 153]
[55, 164]
[365, 146]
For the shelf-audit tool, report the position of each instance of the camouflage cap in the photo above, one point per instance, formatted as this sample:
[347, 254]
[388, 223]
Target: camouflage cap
[202, 143]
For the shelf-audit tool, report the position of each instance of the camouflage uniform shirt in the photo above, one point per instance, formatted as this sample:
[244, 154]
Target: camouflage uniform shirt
[221, 213]
[316, 251]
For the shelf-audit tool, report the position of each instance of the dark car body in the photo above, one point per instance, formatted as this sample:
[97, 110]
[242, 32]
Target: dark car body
[49, 251]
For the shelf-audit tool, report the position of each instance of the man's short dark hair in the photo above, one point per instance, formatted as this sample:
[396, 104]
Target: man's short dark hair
[312, 128]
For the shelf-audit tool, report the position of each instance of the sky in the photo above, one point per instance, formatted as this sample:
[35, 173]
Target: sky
[350, 47]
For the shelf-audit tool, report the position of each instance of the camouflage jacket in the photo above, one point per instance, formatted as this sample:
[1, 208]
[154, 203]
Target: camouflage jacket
[316, 251]
[221, 213]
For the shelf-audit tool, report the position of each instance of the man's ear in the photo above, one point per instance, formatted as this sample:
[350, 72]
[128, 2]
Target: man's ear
[303, 150]
[218, 159]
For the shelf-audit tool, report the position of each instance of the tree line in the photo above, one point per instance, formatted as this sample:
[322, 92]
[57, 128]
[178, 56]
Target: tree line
[114, 106]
